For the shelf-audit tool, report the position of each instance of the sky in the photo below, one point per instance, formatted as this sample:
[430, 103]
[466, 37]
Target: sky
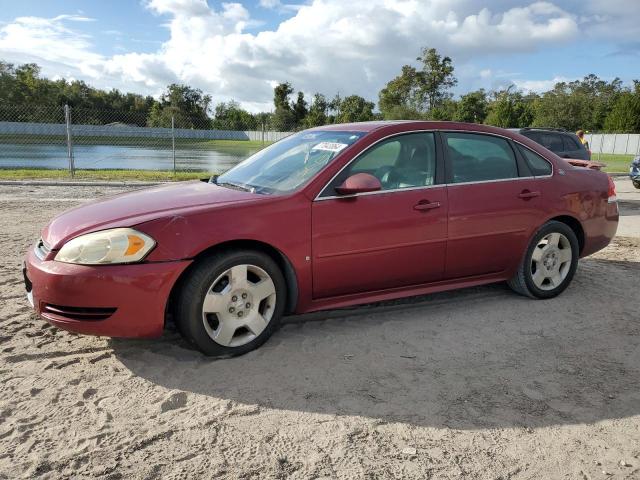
[241, 50]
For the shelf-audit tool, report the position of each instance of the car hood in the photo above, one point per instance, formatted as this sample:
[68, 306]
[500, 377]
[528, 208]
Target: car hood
[132, 208]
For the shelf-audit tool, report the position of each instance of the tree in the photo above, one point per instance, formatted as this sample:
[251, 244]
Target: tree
[416, 92]
[299, 109]
[401, 96]
[229, 116]
[472, 107]
[317, 114]
[510, 109]
[283, 118]
[281, 94]
[334, 108]
[625, 114]
[436, 78]
[355, 109]
[579, 104]
[445, 111]
[188, 106]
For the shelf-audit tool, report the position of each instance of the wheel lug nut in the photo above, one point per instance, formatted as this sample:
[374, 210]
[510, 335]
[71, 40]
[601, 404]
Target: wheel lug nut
[240, 314]
[231, 309]
[234, 298]
[244, 295]
[248, 305]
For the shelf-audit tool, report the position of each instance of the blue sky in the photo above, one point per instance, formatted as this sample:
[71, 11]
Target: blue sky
[240, 50]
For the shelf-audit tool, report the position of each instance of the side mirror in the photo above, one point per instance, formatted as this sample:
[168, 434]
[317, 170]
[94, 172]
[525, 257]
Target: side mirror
[359, 183]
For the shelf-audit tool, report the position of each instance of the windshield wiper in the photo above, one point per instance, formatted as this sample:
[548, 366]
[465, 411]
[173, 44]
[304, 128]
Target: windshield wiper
[236, 186]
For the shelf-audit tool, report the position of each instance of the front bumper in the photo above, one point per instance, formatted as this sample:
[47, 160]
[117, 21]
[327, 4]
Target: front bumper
[110, 300]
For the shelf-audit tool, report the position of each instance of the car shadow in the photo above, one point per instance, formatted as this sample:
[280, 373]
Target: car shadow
[475, 358]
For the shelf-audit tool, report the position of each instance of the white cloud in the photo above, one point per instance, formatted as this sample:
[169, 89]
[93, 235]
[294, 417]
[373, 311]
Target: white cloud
[612, 19]
[539, 86]
[279, 6]
[326, 45]
[49, 42]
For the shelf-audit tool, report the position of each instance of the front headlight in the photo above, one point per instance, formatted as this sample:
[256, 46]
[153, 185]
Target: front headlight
[118, 245]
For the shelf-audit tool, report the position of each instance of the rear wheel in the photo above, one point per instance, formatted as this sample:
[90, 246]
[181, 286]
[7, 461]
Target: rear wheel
[549, 263]
[636, 183]
[231, 303]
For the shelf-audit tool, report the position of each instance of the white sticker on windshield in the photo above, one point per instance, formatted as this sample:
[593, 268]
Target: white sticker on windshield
[330, 146]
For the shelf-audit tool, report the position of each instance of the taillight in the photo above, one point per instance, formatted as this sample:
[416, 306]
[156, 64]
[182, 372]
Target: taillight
[611, 194]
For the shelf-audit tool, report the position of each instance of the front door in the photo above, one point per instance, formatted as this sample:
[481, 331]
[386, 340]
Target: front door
[390, 238]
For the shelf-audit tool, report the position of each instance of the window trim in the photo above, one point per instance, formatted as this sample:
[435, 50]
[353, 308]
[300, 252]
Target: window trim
[536, 153]
[438, 180]
[442, 165]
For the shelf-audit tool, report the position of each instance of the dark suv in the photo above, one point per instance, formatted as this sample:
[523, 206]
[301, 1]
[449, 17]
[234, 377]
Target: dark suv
[562, 143]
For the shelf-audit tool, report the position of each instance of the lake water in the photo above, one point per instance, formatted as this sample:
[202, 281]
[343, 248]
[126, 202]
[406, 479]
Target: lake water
[216, 159]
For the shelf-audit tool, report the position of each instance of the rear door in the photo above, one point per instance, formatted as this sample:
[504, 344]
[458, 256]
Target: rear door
[493, 204]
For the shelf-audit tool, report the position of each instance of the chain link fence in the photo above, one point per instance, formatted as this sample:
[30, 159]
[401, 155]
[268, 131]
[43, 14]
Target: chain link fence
[63, 137]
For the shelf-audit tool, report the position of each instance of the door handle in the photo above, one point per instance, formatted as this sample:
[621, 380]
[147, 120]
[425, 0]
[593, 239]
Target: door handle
[526, 194]
[425, 205]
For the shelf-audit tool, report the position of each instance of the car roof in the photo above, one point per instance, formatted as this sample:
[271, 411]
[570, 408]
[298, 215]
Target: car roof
[413, 125]
[524, 130]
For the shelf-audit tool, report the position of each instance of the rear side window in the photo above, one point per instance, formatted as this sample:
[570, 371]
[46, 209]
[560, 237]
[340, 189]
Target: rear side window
[538, 165]
[477, 158]
[570, 144]
[552, 141]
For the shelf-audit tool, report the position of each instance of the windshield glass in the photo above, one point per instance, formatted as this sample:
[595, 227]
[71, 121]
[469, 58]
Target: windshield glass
[289, 163]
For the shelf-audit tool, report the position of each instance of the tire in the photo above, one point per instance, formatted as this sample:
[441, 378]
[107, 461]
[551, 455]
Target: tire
[636, 183]
[550, 272]
[231, 303]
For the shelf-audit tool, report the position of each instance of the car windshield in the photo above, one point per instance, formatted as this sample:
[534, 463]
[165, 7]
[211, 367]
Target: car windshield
[289, 163]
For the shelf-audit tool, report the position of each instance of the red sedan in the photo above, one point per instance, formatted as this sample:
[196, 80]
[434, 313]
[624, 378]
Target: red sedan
[329, 217]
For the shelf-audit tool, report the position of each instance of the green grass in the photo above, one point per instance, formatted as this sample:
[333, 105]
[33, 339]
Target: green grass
[615, 163]
[99, 175]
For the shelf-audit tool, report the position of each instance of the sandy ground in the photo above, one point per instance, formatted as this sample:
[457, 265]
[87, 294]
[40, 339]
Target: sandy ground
[478, 383]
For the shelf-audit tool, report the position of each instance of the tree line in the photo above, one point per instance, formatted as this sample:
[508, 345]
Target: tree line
[422, 91]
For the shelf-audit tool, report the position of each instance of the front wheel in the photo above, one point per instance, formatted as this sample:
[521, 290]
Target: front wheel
[636, 183]
[231, 302]
[549, 263]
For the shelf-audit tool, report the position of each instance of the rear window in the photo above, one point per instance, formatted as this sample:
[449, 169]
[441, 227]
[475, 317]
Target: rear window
[538, 165]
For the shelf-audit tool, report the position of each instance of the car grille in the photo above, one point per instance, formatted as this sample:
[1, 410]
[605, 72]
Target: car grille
[42, 249]
[76, 313]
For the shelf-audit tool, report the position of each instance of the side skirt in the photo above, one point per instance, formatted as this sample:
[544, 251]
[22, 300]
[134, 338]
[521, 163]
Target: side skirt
[402, 292]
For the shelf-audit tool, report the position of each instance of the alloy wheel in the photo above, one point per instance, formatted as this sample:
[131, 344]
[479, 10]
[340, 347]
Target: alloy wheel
[551, 261]
[239, 305]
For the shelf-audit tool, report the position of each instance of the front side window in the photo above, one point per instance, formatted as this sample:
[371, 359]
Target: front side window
[538, 165]
[479, 158]
[403, 161]
[288, 164]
